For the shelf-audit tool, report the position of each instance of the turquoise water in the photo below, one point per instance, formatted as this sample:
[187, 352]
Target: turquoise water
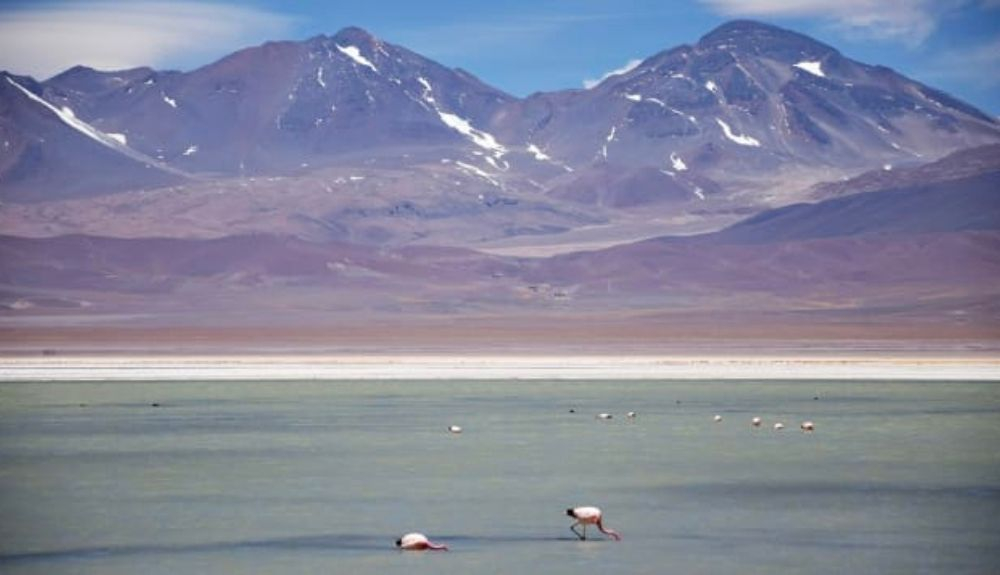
[323, 476]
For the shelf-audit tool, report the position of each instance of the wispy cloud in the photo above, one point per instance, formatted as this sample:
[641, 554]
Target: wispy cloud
[907, 21]
[44, 39]
[628, 67]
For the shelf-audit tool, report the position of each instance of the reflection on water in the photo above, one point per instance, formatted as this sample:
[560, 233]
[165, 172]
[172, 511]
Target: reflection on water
[267, 477]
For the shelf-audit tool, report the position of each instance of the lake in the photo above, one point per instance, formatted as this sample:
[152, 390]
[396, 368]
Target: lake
[323, 476]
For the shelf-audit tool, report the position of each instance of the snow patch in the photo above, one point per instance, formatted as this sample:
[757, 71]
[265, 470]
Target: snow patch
[482, 139]
[469, 168]
[887, 167]
[319, 77]
[677, 163]
[698, 192]
[120, 138]
[493, 162]
[633, 97]
[713, 88]
[192, 149]
[538, 153]
[170, 101]
[68, 117]
[628, 67]
[740, 139]
[427, 89]
[354, 53]
[607, 140]
[814, 68]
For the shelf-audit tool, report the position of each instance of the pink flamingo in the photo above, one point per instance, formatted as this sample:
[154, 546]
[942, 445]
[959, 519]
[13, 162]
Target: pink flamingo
[589, 516]
[418, 542]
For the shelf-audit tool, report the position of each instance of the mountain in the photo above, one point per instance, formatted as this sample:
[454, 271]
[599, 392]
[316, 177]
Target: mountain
[351, 138]
[272, 108]
[754, 178]
[50, 154]
[750, 107]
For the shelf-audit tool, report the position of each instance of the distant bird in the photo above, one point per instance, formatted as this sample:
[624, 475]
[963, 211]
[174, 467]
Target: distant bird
[418, 542]
[779, 426]
[631, 415]
[589, 516]
[755, 422]
[455, 428]
[807, 426]
[717, 418]
[603, 416]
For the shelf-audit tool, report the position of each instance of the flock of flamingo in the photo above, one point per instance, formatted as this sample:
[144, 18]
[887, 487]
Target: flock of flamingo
[584, 515]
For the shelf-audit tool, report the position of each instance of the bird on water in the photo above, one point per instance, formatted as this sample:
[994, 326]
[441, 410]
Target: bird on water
[418, 542]
[589, 516]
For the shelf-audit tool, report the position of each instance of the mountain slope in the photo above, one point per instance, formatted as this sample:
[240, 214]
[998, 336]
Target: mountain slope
[276, 107]
[49, 154]
[749, 107]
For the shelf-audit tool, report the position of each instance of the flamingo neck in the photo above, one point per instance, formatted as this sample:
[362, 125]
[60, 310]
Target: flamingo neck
[609, 532]
[437, 546]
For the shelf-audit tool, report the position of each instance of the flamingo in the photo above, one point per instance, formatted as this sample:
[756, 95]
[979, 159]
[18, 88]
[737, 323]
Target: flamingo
[807, 426]
[779, 426]
[589, 516]
[631, 415]
[418, 542]
[755, 422]
[717, 418]
[603, 416]
[455, 428]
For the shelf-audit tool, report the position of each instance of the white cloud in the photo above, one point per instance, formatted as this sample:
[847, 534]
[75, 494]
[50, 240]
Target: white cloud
[628, 67]
[909, 21]
[46, 39]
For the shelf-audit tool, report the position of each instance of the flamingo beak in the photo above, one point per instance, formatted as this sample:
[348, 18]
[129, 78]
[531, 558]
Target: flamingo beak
[399, 543]
[570, 512]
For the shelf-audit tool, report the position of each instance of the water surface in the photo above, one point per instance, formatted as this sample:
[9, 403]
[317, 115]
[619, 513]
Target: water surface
[323, 476]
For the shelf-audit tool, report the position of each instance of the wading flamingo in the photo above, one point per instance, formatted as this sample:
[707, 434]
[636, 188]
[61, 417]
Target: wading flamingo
[589, 516]
[418, 542]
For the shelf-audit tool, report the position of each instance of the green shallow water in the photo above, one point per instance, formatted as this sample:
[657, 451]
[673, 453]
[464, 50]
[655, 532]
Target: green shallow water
[323, 476]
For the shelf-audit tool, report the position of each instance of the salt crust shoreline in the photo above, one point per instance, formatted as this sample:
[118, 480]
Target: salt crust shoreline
[480, 367]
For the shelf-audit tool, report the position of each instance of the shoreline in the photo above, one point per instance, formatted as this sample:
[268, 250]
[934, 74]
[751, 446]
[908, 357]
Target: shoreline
[369, 367]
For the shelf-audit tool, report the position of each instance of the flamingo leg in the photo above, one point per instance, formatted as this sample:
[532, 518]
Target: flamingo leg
[577, 533]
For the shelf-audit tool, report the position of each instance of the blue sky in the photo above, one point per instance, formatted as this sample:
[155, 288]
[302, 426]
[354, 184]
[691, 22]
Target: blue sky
[518, 45]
